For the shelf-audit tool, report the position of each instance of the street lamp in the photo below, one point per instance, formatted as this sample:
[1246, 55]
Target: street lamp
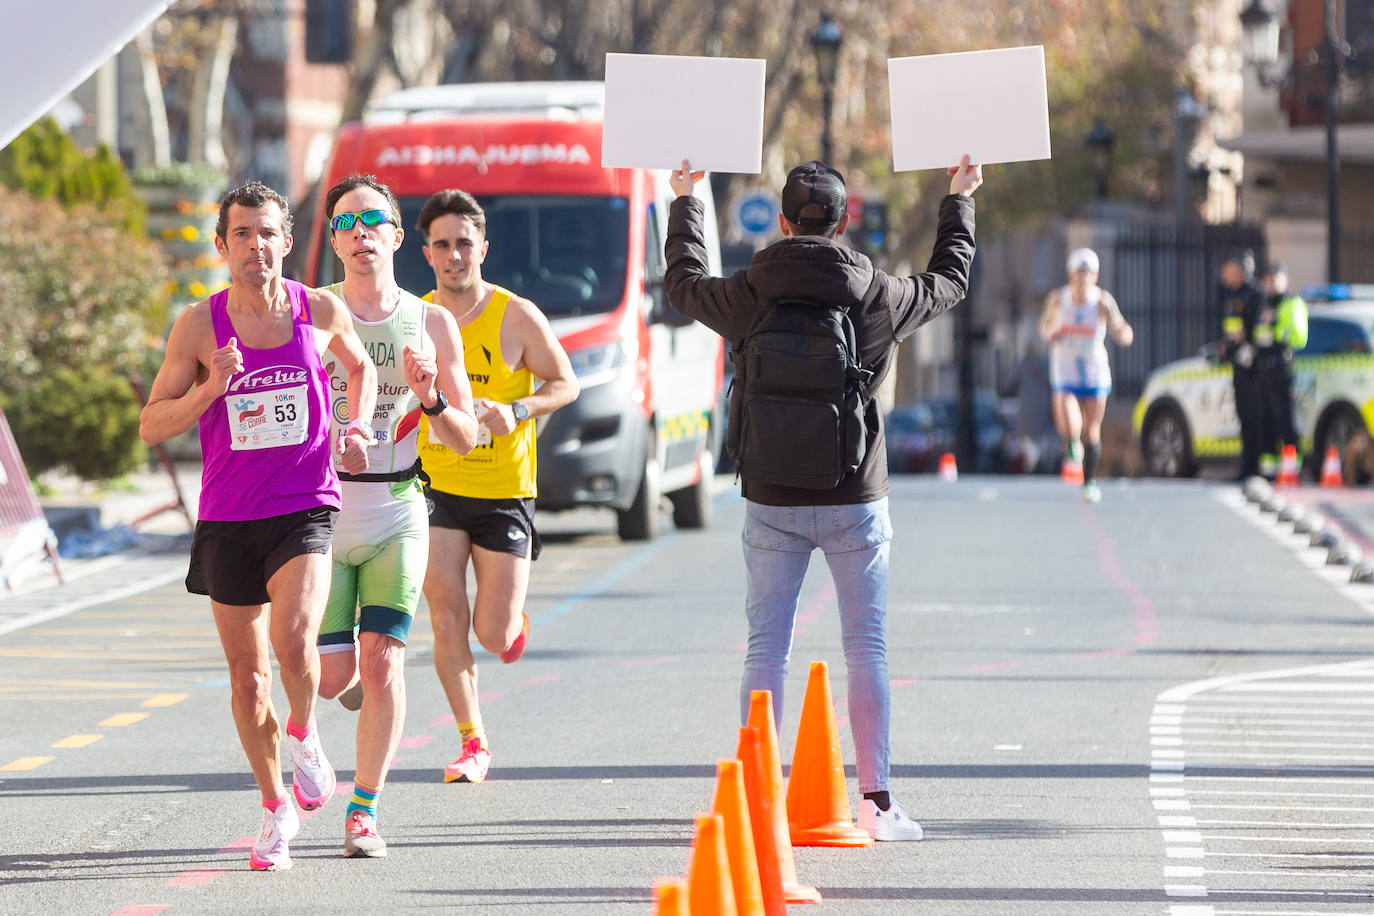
[1261, 27]
[1100, 142]
[825, 42]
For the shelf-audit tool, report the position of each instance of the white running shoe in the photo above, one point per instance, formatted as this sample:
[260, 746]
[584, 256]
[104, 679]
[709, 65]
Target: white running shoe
[361, 837]
[313, 778]
[890, 825]
[270, 852]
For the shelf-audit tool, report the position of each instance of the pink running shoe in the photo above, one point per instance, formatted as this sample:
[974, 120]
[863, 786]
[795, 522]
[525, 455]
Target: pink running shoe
[361, 837]
[313, 779]
[517, 648]
[270, 852]
[471, 765]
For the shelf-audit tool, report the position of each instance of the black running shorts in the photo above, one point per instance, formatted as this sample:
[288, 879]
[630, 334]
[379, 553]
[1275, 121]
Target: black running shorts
[232, 561]
[500, 525]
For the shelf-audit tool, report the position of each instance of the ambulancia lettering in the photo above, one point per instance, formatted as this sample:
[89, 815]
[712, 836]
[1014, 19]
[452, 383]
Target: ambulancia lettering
[497, 154]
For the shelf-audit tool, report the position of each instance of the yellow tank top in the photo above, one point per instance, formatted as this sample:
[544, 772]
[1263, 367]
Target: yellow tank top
[500, 467]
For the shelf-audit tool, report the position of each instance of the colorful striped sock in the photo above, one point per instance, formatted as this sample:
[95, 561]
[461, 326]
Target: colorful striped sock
[470, 730]
[364, 799]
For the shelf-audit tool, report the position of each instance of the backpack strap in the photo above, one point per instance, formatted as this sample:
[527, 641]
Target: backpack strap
[859, 374]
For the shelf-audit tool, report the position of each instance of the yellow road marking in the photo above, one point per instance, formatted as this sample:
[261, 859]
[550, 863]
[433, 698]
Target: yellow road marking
[77, 740]
[27, 763]
[123, 718]
[165, 699]
[102, 655]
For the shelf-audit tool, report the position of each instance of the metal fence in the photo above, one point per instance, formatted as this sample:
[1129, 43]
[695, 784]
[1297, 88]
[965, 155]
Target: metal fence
[1166, 279]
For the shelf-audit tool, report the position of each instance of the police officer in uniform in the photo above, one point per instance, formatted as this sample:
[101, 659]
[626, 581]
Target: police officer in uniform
[1281, 329]
[1241, 304]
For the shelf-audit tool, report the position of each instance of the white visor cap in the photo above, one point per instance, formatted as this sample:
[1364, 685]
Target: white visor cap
[1083, 259]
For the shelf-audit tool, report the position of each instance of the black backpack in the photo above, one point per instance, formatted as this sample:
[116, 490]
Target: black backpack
[800, 395]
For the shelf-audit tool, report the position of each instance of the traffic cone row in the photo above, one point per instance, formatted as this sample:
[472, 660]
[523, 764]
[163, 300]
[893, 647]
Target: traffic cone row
[741, 862]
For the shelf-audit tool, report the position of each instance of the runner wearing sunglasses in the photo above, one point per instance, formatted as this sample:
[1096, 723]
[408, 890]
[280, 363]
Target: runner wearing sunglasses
[381, 541]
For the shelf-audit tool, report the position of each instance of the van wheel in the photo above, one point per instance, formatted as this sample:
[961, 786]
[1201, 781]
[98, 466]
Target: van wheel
[692, 506]
[640, 522]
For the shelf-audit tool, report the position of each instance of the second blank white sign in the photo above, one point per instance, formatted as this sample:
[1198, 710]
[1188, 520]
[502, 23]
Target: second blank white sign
[991, 105]
[661, 109]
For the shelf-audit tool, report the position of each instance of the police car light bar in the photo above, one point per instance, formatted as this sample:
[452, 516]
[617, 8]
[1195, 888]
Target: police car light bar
[1337, 292]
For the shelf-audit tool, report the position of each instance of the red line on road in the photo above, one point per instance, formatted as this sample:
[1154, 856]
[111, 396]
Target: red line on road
[416, 741]
[142, 909]
[1146, 617]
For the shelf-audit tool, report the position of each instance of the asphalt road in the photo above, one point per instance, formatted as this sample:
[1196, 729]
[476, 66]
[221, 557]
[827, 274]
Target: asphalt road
[1160, 704]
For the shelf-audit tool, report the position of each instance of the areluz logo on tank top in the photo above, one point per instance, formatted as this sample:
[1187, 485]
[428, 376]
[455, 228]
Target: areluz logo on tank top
[268, 408]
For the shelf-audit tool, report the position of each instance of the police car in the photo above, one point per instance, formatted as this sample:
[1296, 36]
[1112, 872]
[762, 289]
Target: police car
[1187, 413]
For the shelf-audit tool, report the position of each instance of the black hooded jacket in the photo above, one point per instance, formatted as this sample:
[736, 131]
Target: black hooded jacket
[813, 267]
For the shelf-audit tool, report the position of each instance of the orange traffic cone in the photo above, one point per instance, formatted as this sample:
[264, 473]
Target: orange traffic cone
[949, 470]
[708, 876]
[1288, 467]
[1331, 468]
[670, 894]
[758, 794]
[733, 806]
[818, 812]
[761, 720]
[1071, 472]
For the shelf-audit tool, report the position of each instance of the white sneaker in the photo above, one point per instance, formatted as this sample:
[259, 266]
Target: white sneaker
[270, 852]
[889, 825]
[313, 778]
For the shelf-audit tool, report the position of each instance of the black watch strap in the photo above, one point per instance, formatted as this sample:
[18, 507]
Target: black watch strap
[439, 406]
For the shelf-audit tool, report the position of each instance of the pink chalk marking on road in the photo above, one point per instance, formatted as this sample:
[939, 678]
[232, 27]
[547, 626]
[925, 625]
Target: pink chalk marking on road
[195, 877]
[443, 721]
[1146, 616]
[416, 741]
[540, 679]
[903, 681]
[645, 662]
[491, 696]
[142, 909]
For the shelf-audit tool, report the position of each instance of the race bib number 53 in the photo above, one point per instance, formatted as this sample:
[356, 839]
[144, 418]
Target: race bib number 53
[268, 419]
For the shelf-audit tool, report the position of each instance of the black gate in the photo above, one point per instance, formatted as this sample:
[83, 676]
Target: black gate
[1165, 278]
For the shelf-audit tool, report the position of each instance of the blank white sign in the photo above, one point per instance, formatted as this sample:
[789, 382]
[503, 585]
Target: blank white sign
[989, 104]
[661, 109]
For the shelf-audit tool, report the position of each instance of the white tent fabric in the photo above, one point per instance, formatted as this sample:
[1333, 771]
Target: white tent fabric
[54, 45]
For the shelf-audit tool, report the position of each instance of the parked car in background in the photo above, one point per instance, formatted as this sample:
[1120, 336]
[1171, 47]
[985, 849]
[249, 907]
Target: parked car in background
[1186, 416]
[918, 434]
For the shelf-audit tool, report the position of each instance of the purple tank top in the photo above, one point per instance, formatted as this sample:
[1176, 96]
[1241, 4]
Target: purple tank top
[265, 442]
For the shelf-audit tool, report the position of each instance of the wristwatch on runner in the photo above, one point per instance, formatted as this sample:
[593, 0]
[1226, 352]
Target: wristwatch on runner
[519, 411]
[439, 406]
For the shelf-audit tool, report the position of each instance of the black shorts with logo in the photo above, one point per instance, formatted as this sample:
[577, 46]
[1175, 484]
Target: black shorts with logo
[500, 525]
[232, 561]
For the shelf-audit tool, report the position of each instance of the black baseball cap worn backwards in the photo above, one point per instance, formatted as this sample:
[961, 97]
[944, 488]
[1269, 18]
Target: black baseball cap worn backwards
[814, 195]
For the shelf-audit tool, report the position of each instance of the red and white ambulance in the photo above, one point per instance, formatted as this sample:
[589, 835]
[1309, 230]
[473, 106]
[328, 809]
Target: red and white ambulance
[585, 244]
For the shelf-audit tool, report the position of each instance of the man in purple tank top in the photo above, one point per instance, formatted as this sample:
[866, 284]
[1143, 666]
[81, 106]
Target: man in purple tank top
[245, 366]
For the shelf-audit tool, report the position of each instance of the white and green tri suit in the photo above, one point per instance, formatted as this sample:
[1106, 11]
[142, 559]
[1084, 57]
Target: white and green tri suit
[381, 538]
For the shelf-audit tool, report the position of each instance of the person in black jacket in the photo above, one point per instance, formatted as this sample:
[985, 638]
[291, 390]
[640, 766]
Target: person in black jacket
[1241, 303]
[849, 522]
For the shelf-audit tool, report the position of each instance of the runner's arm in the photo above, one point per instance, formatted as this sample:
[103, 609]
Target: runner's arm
[1116, 322]
[456, 427]
[174, 405]
[543, 355]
